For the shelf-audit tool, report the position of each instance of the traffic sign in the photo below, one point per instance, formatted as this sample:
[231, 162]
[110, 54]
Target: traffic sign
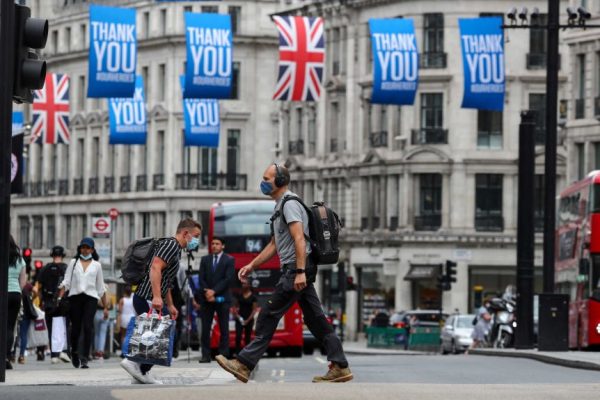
[101, 227]
[113, 213]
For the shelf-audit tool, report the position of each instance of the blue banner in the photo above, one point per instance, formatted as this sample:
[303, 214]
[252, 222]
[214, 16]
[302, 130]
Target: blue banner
[482, 42]
[128, 117]
[201, 117]
[113, 52]
[395, 61]
[209, 63]
[17, 122]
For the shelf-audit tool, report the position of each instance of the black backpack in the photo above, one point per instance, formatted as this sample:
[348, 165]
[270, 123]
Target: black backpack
[324, 227]
[50, 277]
[137, 259]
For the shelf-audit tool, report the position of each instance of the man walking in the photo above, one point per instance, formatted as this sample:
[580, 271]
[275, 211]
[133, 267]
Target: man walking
[289, 243]
[216, 274]
[155, 288]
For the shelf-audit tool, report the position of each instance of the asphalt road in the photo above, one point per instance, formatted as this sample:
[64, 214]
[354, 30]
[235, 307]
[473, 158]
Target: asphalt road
[376, 377]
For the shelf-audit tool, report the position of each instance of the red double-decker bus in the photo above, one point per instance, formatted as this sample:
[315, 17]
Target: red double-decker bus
[245, 228]
[577, 267]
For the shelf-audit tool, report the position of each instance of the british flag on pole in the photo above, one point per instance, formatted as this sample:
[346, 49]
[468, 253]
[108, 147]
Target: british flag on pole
[51, 111]
[301, 58]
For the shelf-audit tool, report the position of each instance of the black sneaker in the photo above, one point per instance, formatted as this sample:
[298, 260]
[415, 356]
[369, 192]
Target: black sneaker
[75, 360]
[84, 363]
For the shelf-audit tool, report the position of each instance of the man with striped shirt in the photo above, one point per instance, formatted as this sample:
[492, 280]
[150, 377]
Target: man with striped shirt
[155, 289]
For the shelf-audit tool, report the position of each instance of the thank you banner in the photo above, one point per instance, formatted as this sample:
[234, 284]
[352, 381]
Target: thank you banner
[209, 63]
[16, 156]
[482, 43]
[395, 61]
[201, 118]
[127, 117]
[113, 52]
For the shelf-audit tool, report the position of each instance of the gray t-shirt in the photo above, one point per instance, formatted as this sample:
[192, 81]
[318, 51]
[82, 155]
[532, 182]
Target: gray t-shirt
[294, 212]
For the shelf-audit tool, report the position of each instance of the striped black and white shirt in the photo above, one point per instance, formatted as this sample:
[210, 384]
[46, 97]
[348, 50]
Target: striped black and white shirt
[169, 251]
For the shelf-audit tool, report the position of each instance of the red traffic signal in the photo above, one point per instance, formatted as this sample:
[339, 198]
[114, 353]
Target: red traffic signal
[27, 253]
[38, 264]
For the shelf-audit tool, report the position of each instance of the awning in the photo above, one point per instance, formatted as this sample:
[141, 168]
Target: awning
[417, 272]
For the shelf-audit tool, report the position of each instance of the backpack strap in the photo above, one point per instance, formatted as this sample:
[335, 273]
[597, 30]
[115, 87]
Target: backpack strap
[308, 213]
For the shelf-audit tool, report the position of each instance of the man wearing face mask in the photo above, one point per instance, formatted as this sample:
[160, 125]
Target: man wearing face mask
[296, 284]
[155, 289]
[216, 274]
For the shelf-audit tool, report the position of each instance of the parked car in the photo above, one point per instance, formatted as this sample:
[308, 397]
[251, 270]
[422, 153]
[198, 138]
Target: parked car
[456, 333]
[417, 318]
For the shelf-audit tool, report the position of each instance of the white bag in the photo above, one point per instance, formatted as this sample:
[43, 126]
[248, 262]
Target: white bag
[59, 334]
[38, 333]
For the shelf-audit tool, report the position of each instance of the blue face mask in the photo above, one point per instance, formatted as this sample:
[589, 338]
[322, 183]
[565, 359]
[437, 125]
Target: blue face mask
[85, 258]
[193, 244]
[266, 188]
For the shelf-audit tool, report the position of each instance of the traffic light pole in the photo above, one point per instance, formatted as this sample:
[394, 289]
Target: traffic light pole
[550, 156]
[7, 12]
[525, 232]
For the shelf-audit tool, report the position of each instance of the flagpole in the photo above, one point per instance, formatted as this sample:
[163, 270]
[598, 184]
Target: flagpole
[7, 49]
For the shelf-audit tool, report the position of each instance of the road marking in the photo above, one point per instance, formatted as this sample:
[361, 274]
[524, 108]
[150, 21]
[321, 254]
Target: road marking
[282, 373]
[274, 372]
[320, 360]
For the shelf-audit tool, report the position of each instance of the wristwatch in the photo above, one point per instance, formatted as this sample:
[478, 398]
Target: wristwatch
[300, 270]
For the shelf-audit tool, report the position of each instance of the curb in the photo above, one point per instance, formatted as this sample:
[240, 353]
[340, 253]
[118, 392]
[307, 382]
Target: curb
[578, 364]
[366, 352]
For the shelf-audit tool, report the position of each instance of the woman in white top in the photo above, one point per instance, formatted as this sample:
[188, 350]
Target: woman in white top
[85, 284]
[126, 311]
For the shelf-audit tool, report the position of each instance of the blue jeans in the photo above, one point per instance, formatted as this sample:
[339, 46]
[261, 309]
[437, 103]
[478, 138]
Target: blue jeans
[100, 328]
[23, 329]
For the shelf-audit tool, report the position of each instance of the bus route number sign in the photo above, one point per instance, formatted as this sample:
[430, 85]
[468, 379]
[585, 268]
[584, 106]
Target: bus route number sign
[254, 245]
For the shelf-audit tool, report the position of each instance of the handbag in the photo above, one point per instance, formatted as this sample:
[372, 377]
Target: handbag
[29, 311]
[150, 339]
[64, 304]
[37, 335]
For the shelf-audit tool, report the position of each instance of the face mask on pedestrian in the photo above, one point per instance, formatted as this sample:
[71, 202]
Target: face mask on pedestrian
[86, 257]
[193, 243]
[266, 188]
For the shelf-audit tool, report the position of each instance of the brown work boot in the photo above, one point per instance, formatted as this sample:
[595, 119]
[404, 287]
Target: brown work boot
[335, 374]
[239, 370]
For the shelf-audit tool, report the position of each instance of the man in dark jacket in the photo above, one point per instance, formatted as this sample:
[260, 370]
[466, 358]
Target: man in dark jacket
[216, 275]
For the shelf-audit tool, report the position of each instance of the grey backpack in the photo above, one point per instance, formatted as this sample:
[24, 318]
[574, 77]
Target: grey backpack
[137, 259]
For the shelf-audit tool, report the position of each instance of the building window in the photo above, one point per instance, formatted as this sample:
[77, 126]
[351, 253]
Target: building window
[335, 51]
[83, 35]
[163, 21]
[580, 97]
[38, 231]
[538, 45]
[235, 85]
[145, 78]
[160, 149]
[55, 41]
[537, 103]
[597, 155]
[538, 202]
[96, 159]
[68, 38]
[236, 18]
[333, 129]
[312, 132]
[162, 75]
[580, 160]
[50, 231]
[489, 129]
[146, 224]
[186, 159]
[233, 156]
[433, 41]
[187, 9]
[146, 24]
[210, 9]
[82, 94]
[23, 232]
[432, 121]
[488, 203]
[430, 203]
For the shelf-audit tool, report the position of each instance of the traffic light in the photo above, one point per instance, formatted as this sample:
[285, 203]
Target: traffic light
[29, 71]
[451, 271]
[350, 285]
[38, 264]
[27, 257]
[443, 283]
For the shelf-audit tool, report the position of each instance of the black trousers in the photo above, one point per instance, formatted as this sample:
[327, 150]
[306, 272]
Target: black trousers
[208, 311]
[14, 305]
[247, 330]
[314, 317]
[81, 314]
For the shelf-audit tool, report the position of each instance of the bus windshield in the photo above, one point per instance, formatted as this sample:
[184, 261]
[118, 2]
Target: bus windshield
[245, 226]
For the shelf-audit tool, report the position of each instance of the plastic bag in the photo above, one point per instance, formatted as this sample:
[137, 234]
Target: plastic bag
[150, 339]
[37, 335]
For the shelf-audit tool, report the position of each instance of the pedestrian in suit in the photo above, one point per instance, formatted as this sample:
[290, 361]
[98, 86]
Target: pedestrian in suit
[216, 275]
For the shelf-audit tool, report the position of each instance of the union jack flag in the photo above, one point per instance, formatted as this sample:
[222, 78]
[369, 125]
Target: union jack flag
[301, 58]
[51, 111]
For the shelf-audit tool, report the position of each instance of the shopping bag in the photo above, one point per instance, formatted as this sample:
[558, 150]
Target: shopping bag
[38, 332]
[149, 339]
[59, 334]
